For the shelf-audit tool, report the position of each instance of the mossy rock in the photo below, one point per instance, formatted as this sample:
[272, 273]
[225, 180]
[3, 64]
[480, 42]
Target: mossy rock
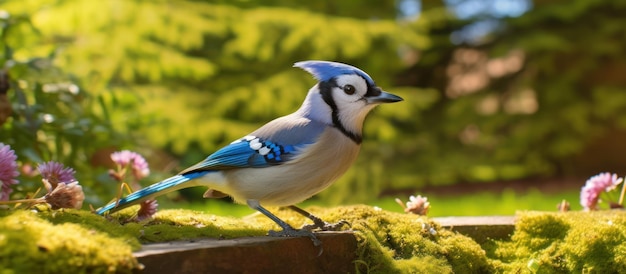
[74, 241]
[63, 242]
[78, 241]
[573, 242]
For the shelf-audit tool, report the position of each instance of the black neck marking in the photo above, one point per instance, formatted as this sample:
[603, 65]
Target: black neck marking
[326, 89]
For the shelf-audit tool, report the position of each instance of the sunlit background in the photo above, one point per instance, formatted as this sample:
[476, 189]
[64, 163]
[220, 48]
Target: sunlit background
[509, 105]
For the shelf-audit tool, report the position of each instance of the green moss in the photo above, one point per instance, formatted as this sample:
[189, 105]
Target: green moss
[575, 242]
[401, 243]
[32, 244]
[74, 241]
[82, 242]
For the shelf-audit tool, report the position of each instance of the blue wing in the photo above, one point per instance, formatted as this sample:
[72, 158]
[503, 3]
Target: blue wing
[249, 151]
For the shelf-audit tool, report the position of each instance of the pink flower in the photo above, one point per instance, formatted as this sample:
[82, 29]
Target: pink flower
[590, 193]
[55, 173]
[8, 171]
[147, 210]
[136, 162]
[65, 195]
[417, 205]
[63, 189]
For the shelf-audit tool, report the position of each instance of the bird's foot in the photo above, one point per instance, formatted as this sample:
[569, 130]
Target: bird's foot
[292, 232]
[319, 223]
[324, 226]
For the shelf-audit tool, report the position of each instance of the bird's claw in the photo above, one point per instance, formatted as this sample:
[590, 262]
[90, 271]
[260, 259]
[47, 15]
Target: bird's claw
[324, 226]
[291, 232]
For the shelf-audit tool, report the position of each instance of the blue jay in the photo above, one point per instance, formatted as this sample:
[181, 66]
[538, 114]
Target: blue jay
[291, 158]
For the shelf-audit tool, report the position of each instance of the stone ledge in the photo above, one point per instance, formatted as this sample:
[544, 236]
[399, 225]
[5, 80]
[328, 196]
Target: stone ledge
[290, 255]
[252, 255]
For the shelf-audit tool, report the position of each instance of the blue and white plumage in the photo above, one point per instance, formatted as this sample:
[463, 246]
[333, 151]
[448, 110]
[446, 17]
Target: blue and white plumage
[290, 158]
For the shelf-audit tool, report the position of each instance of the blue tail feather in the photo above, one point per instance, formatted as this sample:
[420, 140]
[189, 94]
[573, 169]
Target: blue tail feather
[168, 185]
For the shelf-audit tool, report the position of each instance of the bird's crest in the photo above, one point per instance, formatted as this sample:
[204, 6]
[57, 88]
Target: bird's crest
[324, 70]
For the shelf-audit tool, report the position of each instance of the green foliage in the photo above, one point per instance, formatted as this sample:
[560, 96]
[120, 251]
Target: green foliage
[51, 116]
[200, 77]
[552, 113]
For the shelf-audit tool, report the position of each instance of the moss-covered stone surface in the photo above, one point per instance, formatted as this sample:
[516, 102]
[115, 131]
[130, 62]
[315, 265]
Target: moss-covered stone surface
[574, 242]
[72, 241]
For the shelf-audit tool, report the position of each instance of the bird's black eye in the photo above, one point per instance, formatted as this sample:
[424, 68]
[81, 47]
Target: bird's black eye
[349, 89]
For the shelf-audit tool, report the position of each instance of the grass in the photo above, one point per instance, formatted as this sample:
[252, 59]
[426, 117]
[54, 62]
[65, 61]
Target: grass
[507, 202]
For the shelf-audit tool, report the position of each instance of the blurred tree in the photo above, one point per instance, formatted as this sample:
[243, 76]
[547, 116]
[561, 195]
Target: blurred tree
[539, 94]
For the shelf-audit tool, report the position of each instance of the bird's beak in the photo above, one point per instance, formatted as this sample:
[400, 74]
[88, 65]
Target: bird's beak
[383, 97]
